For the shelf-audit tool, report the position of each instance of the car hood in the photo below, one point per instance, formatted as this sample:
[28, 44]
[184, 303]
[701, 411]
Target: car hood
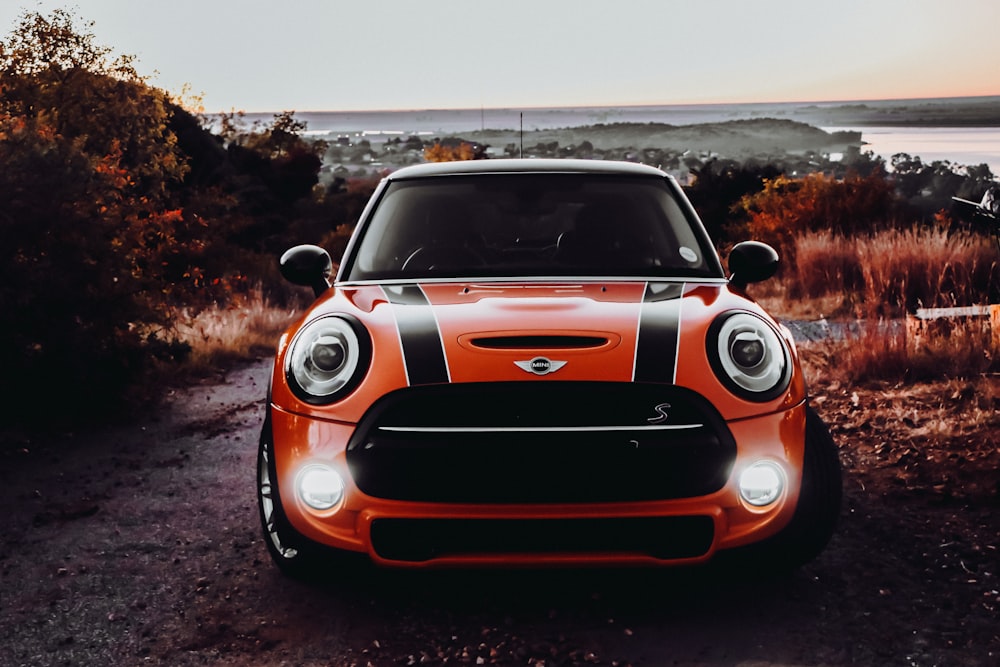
[624, 331]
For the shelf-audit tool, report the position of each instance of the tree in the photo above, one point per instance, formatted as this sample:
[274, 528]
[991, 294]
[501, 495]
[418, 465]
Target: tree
[786, 207]
[56, 73]
[92, 249]
[928, 188]
[447, 152]
[717, 190]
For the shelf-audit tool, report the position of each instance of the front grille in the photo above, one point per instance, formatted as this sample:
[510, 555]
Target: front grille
[541, 442]
[666, 538]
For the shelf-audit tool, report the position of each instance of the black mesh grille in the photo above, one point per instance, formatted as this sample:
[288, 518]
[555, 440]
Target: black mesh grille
[541, 442]
[417, 540]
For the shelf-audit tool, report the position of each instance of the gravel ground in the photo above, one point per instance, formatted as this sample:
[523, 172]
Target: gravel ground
[140, 544]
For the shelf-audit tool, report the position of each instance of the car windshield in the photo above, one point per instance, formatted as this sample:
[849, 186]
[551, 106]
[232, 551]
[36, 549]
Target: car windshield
[530, 225]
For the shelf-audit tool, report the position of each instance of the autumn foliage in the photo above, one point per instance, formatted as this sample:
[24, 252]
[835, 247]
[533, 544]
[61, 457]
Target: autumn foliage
[85, 255]
[442, 152]
[787, 207]
[117, 207]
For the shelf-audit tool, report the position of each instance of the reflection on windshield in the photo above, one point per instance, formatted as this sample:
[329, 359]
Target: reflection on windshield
[535, 225]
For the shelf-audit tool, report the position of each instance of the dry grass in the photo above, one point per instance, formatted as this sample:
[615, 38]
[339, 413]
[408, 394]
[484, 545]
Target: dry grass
[893, 271]
[774, 296]
[246, 329]
[876, 280]
[927, 267]
[892, 352]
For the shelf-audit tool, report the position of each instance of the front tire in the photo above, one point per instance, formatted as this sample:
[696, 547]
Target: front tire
[295, 555]
[816, 514]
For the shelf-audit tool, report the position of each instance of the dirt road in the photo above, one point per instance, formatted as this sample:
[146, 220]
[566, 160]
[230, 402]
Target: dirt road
[140, 545]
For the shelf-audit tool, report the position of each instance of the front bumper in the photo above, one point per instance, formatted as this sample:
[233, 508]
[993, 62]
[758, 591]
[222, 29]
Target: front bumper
[461, 511]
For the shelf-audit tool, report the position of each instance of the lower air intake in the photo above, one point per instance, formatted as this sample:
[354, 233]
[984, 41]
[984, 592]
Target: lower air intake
[422, 540]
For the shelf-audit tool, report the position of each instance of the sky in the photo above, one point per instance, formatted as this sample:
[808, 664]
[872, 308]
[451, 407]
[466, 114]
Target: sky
[332, 55]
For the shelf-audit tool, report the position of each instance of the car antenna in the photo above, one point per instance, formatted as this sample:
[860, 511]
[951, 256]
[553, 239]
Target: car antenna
[520, 153]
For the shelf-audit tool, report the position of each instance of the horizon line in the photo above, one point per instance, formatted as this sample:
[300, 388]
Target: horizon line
[630, 106]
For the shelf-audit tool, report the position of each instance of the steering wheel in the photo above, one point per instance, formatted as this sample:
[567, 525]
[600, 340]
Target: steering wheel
[442, 256]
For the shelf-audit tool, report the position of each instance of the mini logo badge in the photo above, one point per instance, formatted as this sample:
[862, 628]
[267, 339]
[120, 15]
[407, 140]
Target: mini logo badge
[540, 365]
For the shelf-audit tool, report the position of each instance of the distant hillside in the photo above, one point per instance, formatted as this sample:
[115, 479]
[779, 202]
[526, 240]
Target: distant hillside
[942, 112]
[738, 138]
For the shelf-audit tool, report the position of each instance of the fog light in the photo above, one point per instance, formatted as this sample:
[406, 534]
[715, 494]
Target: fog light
[320, 487]
[762, 483]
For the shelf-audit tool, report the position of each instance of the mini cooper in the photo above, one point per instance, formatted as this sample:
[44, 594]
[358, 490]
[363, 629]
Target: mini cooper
[532, 362]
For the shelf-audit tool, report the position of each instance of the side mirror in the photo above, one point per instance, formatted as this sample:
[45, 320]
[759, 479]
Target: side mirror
[990, 205]
[988, 208]
[751, 262]
[307, 265]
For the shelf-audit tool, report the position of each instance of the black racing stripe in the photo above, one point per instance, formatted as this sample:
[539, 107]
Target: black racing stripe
[423, 352]
[659, 326]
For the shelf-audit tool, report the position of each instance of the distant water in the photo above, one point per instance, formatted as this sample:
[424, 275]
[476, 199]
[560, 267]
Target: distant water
[959, 145]
[970, 146]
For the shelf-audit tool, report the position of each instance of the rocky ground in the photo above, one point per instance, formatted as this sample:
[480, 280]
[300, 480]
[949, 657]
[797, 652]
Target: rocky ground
[140, 544]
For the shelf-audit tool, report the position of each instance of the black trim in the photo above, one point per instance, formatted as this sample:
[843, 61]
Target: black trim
[541, 442]
[423, 350]
[421, 540]
[539, 342]
[659, 327]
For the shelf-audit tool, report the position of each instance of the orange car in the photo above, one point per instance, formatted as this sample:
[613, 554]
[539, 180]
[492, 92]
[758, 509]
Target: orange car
[541, 363]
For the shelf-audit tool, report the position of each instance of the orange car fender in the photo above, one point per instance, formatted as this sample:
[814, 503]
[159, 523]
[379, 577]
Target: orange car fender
[778, 437]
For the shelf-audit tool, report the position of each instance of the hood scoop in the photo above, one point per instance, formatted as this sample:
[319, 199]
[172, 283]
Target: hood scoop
[539, 342]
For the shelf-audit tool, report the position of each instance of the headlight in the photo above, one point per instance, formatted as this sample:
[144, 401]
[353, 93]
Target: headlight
[749, 356]
[327, 358]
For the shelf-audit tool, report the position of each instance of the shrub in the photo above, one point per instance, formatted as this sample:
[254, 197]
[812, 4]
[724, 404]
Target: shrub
[786, 207]
[93, 247]
[117, 208]
[77, 269]
[449, 152]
